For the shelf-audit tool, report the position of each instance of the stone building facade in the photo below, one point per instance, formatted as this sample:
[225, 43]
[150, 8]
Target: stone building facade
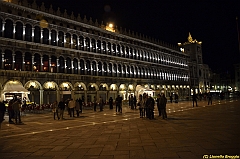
[47, 55]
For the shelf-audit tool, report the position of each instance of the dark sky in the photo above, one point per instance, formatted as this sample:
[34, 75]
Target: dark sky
[211, 21]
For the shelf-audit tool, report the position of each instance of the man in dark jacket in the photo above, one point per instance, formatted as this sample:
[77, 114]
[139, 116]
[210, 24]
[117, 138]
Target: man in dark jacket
[150, 106]
[162, 106]
[61, 106]
[2, 111]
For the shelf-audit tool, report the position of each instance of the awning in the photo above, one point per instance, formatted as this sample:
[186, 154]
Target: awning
[14, 87]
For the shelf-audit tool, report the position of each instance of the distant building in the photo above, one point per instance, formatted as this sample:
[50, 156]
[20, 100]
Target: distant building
[200, 73]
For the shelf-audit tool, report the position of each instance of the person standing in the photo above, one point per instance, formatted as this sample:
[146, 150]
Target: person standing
[10, 110]
[100, 101]
[131, 101]
[162, 106]
[16, 106]
[150, 105]
[94, 103]
[158, 104]
[140, 104]
[194, 99]
[80, 101]
[71, 106]
[209, 98]
[144, 105]
[110, 101]
[2, 111]
[55, 110]
[77, 108]
[61, 106]
[135, 102]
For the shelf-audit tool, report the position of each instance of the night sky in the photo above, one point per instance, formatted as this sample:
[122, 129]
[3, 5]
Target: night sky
[211, 21]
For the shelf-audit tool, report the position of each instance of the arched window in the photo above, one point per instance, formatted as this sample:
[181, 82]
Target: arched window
[110, 69]
[88, 67]
[53, 66]
[109, 48]
[114, 70]
[75, 66]
[118, 51]
[75, 42]
[127, 52]
[28, 32]
[60, 39]
[82, 67]
[53, 38]
[119, 70]
[18, 60]
[124, 71]
[93, 41]
[69, 65]
[8, 32]
[105, 71]
[99, 69]
[19, 31]
[114, 49]
[28, 62]
[94, 67]
[81, 43]
[87, 44]
[68, 40]
[37, 34]
[98, 46]
[104, 47]
[45, 63]
[61, 63]
[45, 36]
[37, 62]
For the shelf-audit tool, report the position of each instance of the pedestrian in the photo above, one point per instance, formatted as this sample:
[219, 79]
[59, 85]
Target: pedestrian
[162, 105]
[135, 102]
[55, 110]
[94, 103]
[150, 106]
[144, 105]
[140, 105]
[131, 101]
[176, 98]
[77, 108]
[171, 98]
[194, 99]
[110, 102]
[158, 104]
[80, 101]
[61, 106]
[2, 111]
[100, 101]
[209, 98]
[10, 111]
[118, 104]
[16, 106]
[71, 106]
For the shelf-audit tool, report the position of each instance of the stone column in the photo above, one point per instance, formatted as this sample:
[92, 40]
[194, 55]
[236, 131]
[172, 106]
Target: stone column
[57, 38]
[79, 67]
[65, 63]
[71, 42]
[32, 62]
[41, 96]
[84, 44]
[33, 34]
[97, 68]
[49, 37]
[14, 31]
[24, 32]
[41, 64]
[57, 65]
[41, 36]
[49, 64]
[3, 60]
[72, 68]
[23, 61]
[3, 28]
[13, 63]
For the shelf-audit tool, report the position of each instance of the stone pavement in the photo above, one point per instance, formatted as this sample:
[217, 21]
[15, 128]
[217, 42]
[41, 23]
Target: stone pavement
[189, 133]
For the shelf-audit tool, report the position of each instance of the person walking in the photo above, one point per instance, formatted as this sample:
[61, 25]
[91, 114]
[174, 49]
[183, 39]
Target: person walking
[55, 110]
[140, 104]
[110, 102]
[171, 98]
[162, 105]
[209, 98]
[77, 108]
[61, 106]
[158, 104]
[71, 106]
[194, 99]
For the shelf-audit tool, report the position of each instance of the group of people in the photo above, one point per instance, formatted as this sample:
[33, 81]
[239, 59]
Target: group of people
[146, 106]
[14, 109]
[70, 104]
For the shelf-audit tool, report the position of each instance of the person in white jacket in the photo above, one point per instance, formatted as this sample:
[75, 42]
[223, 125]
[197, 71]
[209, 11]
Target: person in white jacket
[71, 106]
